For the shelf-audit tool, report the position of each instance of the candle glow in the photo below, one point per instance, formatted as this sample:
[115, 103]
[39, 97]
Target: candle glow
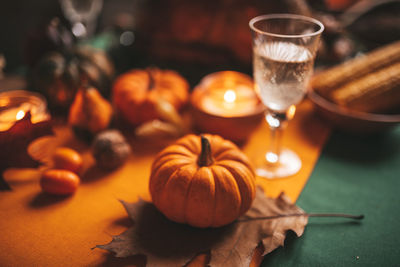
[230, 96]
[15, 104]
[20, 115]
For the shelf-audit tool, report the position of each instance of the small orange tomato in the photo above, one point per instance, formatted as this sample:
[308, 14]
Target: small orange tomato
[59, 182]
[67, 159]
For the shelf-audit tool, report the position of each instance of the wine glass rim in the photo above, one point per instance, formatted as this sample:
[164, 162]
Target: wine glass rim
[286, 16]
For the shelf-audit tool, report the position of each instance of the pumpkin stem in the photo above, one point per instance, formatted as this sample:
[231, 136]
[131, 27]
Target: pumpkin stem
[205, 158]
[151, 79]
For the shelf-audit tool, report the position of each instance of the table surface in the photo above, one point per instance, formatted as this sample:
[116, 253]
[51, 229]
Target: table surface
[358, 175]
[354, 174]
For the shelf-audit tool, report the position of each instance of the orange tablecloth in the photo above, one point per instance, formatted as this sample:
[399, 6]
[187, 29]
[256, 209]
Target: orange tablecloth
[41, 230]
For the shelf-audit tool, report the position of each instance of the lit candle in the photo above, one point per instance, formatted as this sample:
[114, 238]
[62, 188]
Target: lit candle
[15, 104]
[233, 101]
[226, 103]
[9, 116]
[230, 96]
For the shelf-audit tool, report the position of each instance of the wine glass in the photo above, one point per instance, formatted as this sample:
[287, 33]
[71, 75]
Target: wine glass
[284, 49]
[83, 15]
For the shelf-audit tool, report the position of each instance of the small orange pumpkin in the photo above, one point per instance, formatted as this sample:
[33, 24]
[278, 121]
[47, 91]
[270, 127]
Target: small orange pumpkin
[136, 92]
[202, 181]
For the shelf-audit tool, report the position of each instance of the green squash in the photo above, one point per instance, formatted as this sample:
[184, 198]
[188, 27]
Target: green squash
[58, 75]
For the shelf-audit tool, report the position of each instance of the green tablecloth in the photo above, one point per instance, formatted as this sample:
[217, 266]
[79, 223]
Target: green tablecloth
[357, 175]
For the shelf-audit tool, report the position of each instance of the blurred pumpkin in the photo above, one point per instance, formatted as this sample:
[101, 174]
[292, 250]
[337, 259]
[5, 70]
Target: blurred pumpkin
[339, 4]
[135, 93]
[90, 111]
[58, 75]
[203, 181]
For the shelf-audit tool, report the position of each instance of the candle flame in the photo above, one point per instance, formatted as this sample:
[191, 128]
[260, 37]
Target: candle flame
[291, 111]
[230, 96]
[20, 115]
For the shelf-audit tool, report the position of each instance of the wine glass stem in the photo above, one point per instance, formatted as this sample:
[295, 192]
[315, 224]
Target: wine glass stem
[277, 122]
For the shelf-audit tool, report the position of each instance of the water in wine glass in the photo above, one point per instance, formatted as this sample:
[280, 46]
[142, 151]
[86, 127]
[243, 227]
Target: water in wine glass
[282, 70]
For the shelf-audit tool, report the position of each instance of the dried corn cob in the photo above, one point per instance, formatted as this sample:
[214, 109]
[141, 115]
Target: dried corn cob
[335, 77]
[378, 91]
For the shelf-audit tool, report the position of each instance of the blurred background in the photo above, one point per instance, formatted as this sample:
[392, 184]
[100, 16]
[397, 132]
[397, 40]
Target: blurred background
[192, 37]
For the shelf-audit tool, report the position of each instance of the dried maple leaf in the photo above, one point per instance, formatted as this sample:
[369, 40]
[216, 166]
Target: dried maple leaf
[14, 143]
[166, 243]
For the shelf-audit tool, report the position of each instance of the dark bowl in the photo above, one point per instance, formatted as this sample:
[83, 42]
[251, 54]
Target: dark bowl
[350, 120]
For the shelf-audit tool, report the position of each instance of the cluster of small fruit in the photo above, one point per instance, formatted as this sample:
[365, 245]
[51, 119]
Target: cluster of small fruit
[109, 149]
[63, 178]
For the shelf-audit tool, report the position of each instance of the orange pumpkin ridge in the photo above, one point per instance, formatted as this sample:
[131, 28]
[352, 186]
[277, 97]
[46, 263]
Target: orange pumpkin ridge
[200, 206]
[202, 181]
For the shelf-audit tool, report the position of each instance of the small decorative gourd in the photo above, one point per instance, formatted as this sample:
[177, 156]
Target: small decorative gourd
[135, 93]
[59, 182]
[90, 111]
[67, 159]
[110, 149]
[202, 181]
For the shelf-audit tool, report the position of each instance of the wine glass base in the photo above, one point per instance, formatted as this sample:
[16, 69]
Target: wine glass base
[289, 164]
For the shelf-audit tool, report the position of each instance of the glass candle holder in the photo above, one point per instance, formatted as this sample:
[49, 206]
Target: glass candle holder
[15, 104]
[225, 103]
